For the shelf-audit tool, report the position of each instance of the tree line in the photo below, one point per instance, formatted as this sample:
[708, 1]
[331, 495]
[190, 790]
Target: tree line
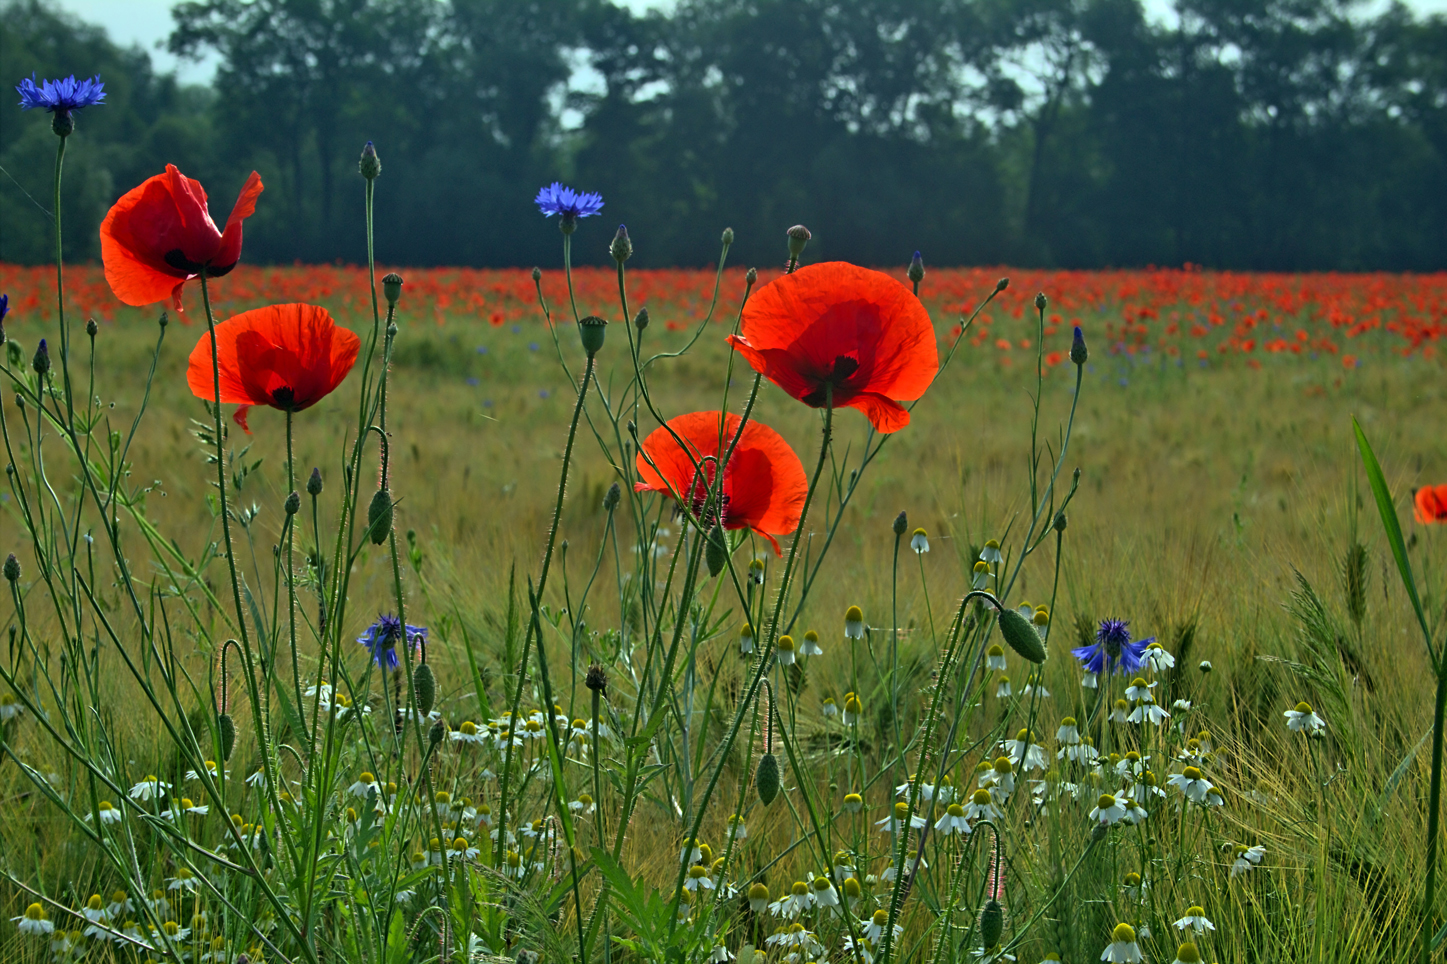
[1254, 134]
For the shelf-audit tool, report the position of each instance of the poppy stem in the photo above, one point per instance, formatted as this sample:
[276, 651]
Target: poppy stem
[291, 562]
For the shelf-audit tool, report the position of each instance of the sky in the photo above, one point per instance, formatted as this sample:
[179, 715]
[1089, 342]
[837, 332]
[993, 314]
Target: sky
[148, 22]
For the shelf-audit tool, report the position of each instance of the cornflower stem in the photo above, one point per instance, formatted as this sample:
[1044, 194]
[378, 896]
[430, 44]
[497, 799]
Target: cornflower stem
[542, 584]
[1434, 811]
[894, 657]
[60, 288]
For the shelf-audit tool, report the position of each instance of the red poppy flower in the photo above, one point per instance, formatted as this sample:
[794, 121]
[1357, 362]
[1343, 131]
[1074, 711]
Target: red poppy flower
[160, 235]
[1431, 503]
[763, 486]
[287, 356]
[836, 324]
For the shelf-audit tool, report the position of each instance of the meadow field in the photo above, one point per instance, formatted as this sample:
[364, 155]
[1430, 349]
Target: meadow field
[1217, 502]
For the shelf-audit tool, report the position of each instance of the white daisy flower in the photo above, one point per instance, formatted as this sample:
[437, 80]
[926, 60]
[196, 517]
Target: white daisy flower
[366, 783]
[697, 878]
[1246, 858]
[874, 930]
[1187, 953]
[824, 893]
[810, 646]
[1196, 920]
[991, 553]
[1123, 949]
[1148, 713]
[1139, 689]
[893, 822]
[795, 902]
[981, 806]
[995, 658]
[829, 709]
[1002, 688]
[107, 813]
[926, 791]
[468, 732]
[853, 623]
[853, 709]
[10, 707]
[1027, 745]
[784, 650]
[1120, 712]
[1192, 783]
[149, 789]
[1090, 681]
[795, 936]
[1303, 719]
[909, 859]
[1159, 659]
[953, 822]
[1069, 731]
[980, 576]
[919, 542]
[758, 898]
[720, 954]
[1107, 810]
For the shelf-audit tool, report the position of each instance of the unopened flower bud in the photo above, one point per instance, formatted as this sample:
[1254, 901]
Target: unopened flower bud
[992, 924]
[798, 237]
[435, 735]
[766, 779]
[379, 516]
[392, 287]
[424, 684]
[537, 275]
[728, 236]
[1002, 284]
[591, 330]
[1205, 666]
[1078, 352]
[751, 277]
[292, 505]
[314, 484]
[1021, 635]
[12, 568]
[916, 269]
[164, 320]
[640, 320]
[41, 361]
[1040, 301]
[370, 165]
[901, 523]
[611, 497]
[716, 551]
[622, 247]
[90, 327]
[1060, 521]
[597, 679]
[226, 731]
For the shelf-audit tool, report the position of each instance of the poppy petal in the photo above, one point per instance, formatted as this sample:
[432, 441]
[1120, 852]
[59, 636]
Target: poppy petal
[1430, 503]
[239, 417]
[229, 251]
[885, 414]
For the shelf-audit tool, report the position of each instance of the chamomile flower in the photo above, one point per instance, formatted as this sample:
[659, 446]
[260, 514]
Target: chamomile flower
[1192, 783]
[1187, 953]
[720, 954]
[919, 542]
[94, 909]
[810, 646]
[980, 575]
[926, 790]
[1090, 681]
[1123, 948]
[175, 931]
[785, 650]
[982, 806]
[149, 789]
[193, 808]
[746, 639]
[893, 822]
[829, 709]
[1108, 810]
[1026, 746]
[468, 732]
[1134, 812]
[1196, 920]
[794, 903]
[692, 852]
[697, 878]
[995, 658]
[853, 802]
[1002, 688]
[1120, 712]
[1302, 719]
[853, 623]
[1035, 686]
[1069, 731]
[824, 894]
[366, 783]
[853, 709]
[758, 898]
[107, 813]
[1139, 689]
[1148, 711]
[10, 707]
[909, 863]
[796, 936]
[184, 881]
[1246, 858]
[991, 553]
[1004, 779]
[953, 821]
[756, 571]
[1159, 659]
[843, 864]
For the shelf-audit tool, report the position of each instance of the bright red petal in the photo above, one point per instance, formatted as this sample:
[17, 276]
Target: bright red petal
[1431, 504]
[130, 236]
[293, 346]
[229, 251]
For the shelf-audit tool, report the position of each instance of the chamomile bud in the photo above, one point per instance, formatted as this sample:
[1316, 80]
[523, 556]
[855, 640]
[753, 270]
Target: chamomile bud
[853, 623]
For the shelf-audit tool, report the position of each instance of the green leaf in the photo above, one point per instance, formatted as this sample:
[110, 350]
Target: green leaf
[1388, 510]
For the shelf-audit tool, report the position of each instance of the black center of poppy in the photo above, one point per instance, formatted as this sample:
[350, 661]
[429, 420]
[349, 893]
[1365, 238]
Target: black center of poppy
[284, 398]
[177, 259]
[844, 366]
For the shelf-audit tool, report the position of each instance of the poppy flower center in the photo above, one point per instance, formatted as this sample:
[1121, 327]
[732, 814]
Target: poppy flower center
[708, 512]
[844, 366]
[177, 259]
[284, 397]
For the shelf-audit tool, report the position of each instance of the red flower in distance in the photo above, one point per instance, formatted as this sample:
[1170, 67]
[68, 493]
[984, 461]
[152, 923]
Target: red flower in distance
[159, 235]
[763, 485]
[1431, 504]
[286, 356]
[837, 324]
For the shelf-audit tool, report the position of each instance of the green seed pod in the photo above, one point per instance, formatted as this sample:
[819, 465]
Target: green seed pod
[226, 728]
[751, 277]
[425, 685]
[798, 237]
[766, 779]
[392, 287]
[716, 552]
[728, 236]
[1021, 635]
[379, 516]
[591, 330]
[992, 924]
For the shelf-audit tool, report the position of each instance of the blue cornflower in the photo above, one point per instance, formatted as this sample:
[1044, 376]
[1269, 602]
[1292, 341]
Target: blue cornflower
[568, 204]
[63, 95]
[4, 307]
[381, 639]
[1113, 652]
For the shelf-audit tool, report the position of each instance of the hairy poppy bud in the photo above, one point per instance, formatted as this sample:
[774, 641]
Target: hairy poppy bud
[41, 361]
[901, 523]
[622, 247]
[226, 730]
[916, 269]
[766, 779]
[1098, 832]
[1002, 284]
[611, 497]
[798, 237]
[370, 165]
[591, 330]
[12, 568]
[90, 327]
[379, 517]
[1040, 301]
[992, 924]
[537, 275]
[728, 235]
[424, 684]
[1021, 635]
[1078, 352]
[164, 320]
[392, 287]
[597, 679]
[716, 552]
[751, 277]
[292, 505]
[640, 320]
[314, 484]
[1060, 521]
[435, 735]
